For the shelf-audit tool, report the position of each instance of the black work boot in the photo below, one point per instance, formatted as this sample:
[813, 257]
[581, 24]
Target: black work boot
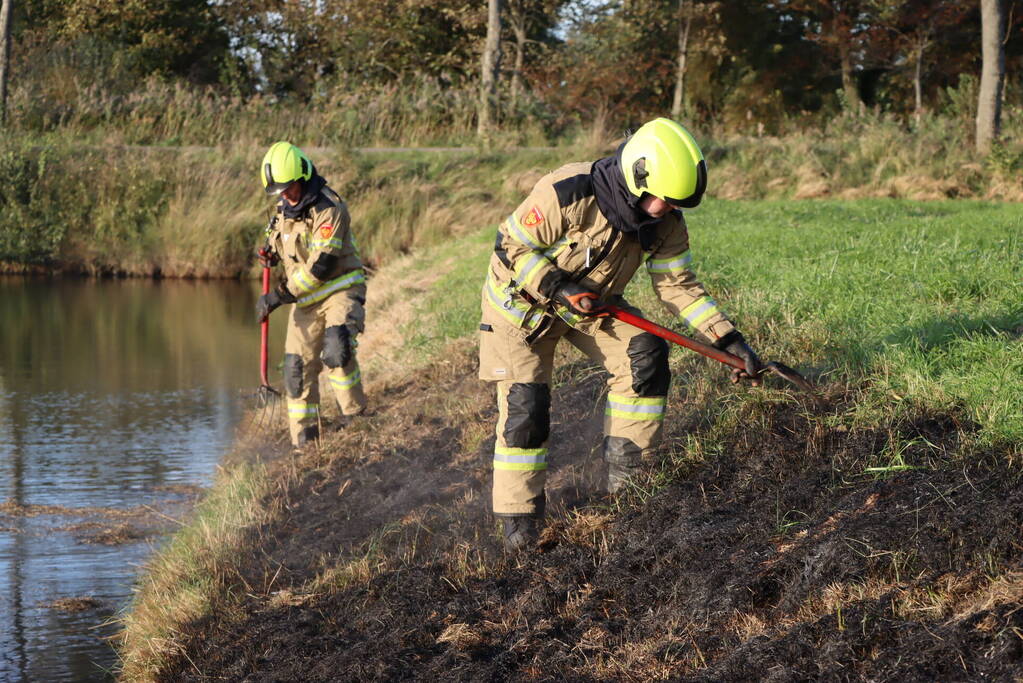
[307, 436]
[619, 475]
[520, 532]
[623, 462]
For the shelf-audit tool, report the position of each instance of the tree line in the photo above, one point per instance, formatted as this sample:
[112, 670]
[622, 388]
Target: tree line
[746, 66]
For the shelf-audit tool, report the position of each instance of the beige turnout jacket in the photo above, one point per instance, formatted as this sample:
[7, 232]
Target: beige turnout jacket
[560, 226]
[300, 243]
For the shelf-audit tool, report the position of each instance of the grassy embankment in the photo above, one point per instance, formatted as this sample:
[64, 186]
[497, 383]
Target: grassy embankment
[814, 540]
[200, 212]
[161, 179]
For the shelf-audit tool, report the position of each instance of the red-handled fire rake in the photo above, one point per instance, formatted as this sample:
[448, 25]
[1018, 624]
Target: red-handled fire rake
[780, 369]
[266, 393]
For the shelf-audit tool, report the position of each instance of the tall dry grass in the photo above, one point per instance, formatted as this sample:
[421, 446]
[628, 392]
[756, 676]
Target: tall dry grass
[162, 179]
[184, 578]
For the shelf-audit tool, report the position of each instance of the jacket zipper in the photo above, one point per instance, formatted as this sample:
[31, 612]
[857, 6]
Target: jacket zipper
[591, 265]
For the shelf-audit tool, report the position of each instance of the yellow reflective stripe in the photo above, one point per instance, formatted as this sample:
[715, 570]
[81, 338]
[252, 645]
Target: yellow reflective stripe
[519, 466]
[518, 232]
[517, 313]
[346, 381]
[638, 400]
[520, 459]
[302, 409]
[504, 306]
[568, 316]
[627, 415]
[333, 243]
[699, 311]
[510, 454]
[674, 264]
[302, 282]
[327, 288]
[528, 266]
[635, 407]
[556, 248]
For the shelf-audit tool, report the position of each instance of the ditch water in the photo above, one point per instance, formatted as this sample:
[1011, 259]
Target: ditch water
[117, 400]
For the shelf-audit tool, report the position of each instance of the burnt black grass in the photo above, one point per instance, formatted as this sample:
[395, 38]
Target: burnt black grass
[871, 534]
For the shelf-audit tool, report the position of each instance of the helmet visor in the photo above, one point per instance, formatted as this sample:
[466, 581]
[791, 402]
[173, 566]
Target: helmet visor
[701, 186]
[272, 187]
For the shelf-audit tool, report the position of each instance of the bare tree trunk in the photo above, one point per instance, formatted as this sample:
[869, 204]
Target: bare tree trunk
[517, 22]
[5, 55]
[917, 81]
[685, 20]
[491, 67]
[992, 75]
[852, 94]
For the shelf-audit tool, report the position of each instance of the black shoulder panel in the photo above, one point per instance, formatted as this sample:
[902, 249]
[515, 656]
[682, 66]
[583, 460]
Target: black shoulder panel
[571, 190]
[325, 201]
[501, 252]
[331, 195]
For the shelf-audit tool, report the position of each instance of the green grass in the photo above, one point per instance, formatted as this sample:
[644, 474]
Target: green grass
[921, 300]
[452, 307]
[917, 302]
[184, 579]
[900, 308]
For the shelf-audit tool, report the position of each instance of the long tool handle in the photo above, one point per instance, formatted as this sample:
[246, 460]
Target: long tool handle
[672, 336]
[264, 333]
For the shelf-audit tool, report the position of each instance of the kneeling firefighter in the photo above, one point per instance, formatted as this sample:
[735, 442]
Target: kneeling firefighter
[311, 236]
[569, 249]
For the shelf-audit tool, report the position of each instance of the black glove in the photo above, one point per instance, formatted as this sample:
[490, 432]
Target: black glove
[268, 258]
[734, 344]
[267, 303]
[578, 299]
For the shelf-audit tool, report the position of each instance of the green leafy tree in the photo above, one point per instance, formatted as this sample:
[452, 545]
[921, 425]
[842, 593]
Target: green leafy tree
[297, 48]
[622, 58]
[841, 28]
[530, 24]
[910, 36]
[168, 37]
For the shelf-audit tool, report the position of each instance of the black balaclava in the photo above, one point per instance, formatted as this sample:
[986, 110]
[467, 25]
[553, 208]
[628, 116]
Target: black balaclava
[619, 206]
[310, 191]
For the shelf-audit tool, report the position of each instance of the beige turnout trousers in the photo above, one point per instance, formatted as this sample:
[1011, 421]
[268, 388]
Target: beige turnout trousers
[633, 416]
[312, 341]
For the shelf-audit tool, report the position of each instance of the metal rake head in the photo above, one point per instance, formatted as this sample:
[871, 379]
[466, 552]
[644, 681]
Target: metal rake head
[267, 402]
[787, 373]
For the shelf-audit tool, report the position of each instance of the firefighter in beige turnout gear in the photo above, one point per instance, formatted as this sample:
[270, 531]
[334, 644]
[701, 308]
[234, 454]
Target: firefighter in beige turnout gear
[311, 236]
[571, 246]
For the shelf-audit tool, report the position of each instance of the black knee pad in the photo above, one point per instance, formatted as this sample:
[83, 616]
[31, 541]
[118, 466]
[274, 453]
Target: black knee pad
[648, 355]
[337, 347]
[293, 374]
[529, 415]
[621, 451]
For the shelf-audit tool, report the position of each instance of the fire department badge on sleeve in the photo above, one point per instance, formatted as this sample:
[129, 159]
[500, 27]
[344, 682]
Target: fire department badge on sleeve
[326, 231]
[533, 218]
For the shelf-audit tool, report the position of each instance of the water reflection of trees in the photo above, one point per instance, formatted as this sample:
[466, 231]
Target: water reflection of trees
[132, 335]
[107, 390]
